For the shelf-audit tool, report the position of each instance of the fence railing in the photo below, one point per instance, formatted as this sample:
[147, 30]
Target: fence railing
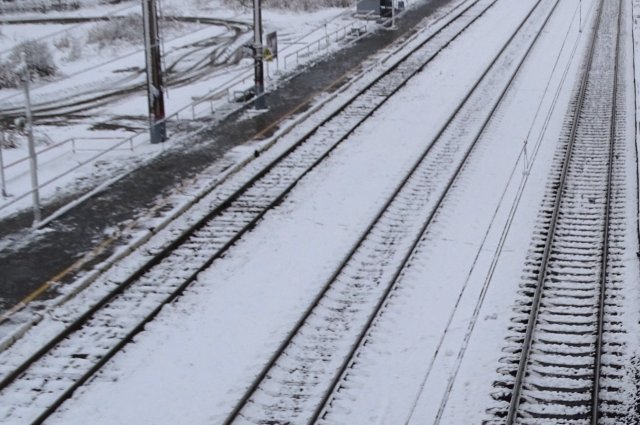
[72, 141]
[236, 88]
[131, 142]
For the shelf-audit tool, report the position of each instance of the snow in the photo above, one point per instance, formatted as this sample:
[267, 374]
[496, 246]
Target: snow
[313, 227]
[101, 69]
[408, 367]
[433, 355]
[307, 230]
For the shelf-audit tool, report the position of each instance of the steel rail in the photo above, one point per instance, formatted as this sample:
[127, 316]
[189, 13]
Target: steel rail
[395, 280]
[235, 413]
[597, 362]
[79, 322]
[533, 318]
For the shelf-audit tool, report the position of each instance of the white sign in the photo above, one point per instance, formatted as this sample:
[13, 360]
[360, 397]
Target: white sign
[272, 46]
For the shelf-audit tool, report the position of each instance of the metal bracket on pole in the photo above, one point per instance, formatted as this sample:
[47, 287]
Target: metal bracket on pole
[33, 160]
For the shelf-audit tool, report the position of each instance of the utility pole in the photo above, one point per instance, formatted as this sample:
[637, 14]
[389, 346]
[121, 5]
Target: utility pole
[257, 49]
[33, 160]
[157, 126]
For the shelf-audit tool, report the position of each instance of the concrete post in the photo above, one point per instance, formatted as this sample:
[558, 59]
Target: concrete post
[33, 160]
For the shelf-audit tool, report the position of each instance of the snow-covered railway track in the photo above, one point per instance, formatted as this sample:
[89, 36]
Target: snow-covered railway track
[32, 389]
[567, 360]
[305, 374]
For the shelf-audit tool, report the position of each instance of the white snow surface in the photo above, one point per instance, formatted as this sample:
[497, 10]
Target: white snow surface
[403, 372]
[432, 356]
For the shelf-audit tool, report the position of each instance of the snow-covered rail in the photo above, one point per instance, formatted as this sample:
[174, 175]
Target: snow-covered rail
[35, 388]
[567, 362]
[300, 381]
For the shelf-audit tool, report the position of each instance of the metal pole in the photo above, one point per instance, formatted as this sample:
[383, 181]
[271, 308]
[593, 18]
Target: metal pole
[393, 15]
[580, 16]
[33, 160]
[257, 46]
[2, 179]
[157, 126]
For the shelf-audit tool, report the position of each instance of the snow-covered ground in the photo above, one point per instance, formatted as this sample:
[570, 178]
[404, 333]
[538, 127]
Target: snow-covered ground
[410, 363]
[432, 357]
[87, 70]
[194, 361]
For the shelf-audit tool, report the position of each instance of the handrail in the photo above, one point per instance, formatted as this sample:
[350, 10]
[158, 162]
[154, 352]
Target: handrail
[241, 79]
[69, 171]
[71, 140]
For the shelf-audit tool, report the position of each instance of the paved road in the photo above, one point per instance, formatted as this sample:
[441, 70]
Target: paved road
[25, 267]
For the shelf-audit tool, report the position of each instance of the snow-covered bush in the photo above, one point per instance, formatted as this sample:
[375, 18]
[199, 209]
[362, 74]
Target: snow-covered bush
[11, 140]
[62, 42]
[39, 61]
[8, 76]
[75, 50]
[70, 45]
[38, 56]
[127, 28]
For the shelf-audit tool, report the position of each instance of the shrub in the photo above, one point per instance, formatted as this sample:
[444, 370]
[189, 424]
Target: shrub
[11, 140]
[8, 76]
[75, 50]
[38, 56]
[69, 44]
[126, 28]
[62, 42]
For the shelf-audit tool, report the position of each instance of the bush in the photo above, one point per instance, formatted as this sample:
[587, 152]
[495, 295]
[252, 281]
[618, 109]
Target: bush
[38, 56]
[39, 61]
[8, 76]
[70, 45]
[125, 28]
[11, 139]
[62, 42]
